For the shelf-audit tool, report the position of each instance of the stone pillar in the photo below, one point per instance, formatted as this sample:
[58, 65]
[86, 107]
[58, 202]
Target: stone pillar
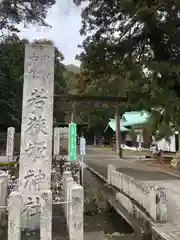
[69, 184]
[161, 204]
[69, 181]
[158, 204]
[37, 123]
[46, 215]
[110, 169]
[67, 176]
[14, 216]
[61, 137]
[56, 141]
[76, 217]
[10, 143]
[3, 188]
[65, 138]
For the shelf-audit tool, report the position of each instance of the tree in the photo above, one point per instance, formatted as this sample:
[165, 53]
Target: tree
[137, 43]
[26, 11]
[71, 74]
[12, 51]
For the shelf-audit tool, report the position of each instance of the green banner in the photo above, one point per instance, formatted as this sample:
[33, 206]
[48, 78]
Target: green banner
[72, 141]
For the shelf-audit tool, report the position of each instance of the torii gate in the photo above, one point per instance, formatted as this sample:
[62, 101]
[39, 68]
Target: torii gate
[97, 102]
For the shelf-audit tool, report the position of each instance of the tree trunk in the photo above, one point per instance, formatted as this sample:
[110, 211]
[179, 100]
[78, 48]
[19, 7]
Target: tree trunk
[118, 134]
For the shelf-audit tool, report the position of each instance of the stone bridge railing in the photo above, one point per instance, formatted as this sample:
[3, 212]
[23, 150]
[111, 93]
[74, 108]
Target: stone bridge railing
[152, 199]
[4, 178]
[74, 207]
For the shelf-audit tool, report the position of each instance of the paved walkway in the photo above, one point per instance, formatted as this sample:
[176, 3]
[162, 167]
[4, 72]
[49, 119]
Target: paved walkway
[99, 160]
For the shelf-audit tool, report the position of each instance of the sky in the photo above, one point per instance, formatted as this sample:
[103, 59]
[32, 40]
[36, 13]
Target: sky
[65, 20]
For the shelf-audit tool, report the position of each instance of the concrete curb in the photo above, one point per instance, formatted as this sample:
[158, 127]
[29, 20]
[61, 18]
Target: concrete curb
[155, 169]
[166, 172]
[98, 174]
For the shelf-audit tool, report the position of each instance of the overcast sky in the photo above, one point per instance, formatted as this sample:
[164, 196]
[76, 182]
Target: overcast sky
[65, 20]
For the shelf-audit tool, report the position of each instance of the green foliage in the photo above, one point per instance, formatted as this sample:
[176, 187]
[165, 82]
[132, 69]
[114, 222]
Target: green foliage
[160, 125]
[11, 80]
[26, 11]
[132, 49]
[71, 75]
[11, 164]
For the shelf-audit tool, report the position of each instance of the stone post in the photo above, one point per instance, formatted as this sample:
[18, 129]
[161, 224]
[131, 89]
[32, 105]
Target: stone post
[69, 181]
[14, 216]
[110, 169]
[67, 176]
[95, 141]
[36, 126]
[69, 184]
[158, 204]
[10, 143]
[46, 215]
[161, 204]
[56, 141]
[3, 188]
[76, 217]
[61, 137]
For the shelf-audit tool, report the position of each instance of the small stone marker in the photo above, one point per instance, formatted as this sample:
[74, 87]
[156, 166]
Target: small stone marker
[4, 177]
[61, 137]
[140, 139]
[36, 127]
[82, 146]
[46, 215]
[14, 216]
[69, 184]
[56, 141]
[76, 228]
[95, 141]
[10, 143]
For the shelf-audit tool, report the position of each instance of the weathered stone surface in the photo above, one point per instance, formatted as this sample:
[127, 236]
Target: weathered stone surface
[68, 204]
[3, 191]
[125, 202]
[10, 143]
[37, 122]
[56, 141]
[152, 198]
[67, 177]
[14, 216]
[76, 231]
[4, 177]
[161, 204]
[110, 169]
[61, 137]
[46, 215]
[66, 174]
